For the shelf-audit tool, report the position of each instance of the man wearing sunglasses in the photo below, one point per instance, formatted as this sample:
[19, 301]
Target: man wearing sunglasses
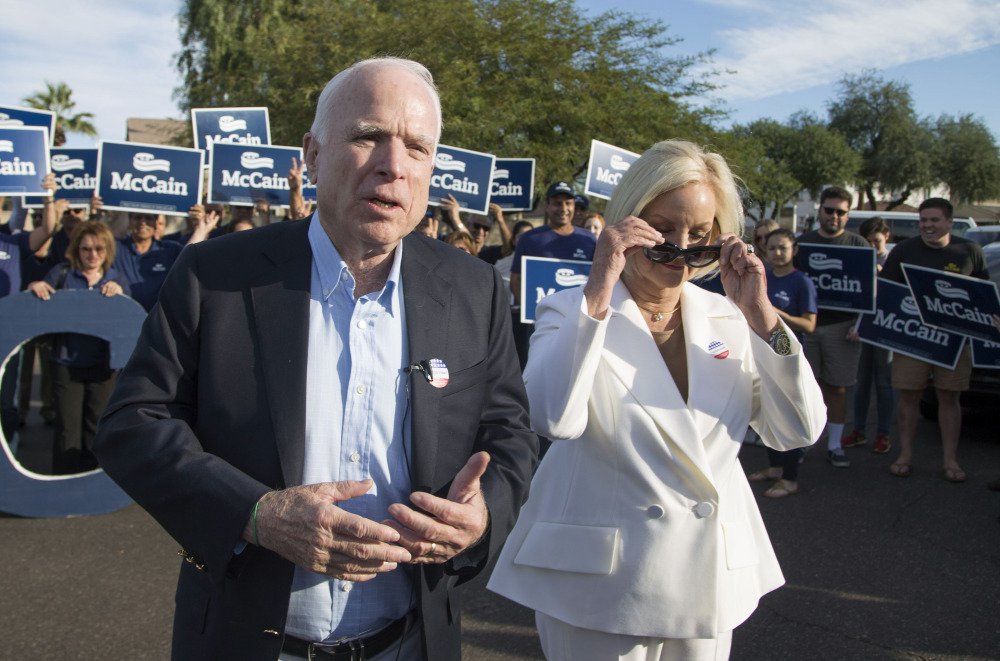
[833, 357]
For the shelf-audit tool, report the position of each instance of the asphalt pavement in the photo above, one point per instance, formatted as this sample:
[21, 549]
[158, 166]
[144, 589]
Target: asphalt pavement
[877, 567]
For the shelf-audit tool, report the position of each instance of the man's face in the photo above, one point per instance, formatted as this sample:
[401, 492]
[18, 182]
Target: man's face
[559, 210]
[833, 216]
[935, 227]
[373, 173]
[73, 217]
[142, 226]
[479, 234]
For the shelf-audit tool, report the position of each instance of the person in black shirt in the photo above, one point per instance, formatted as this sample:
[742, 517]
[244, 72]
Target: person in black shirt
[934, 248]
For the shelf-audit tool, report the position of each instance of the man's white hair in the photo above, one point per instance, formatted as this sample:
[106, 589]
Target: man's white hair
[324, 108]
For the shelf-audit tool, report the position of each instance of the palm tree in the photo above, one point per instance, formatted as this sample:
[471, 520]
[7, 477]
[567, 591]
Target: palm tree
[58, 98]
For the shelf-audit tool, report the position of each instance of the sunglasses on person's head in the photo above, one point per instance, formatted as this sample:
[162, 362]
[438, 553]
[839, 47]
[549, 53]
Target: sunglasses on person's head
[831, 211]
[695, 257]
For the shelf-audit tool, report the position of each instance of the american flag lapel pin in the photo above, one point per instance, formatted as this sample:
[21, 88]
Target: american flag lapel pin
[718, 349]
[436, 372]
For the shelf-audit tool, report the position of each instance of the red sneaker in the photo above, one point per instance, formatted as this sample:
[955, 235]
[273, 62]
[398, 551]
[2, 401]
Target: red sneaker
[854, 439]
[882, 444]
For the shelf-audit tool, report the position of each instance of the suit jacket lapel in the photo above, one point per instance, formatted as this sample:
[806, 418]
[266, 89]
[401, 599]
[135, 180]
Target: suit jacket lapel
[427, 300]
[634, 358]
[714, 346]
[280, 298]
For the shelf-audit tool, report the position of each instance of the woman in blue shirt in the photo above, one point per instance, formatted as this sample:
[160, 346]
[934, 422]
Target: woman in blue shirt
[82, 378]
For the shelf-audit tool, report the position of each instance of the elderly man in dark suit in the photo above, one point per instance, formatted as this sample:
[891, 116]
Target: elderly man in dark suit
[327, 414]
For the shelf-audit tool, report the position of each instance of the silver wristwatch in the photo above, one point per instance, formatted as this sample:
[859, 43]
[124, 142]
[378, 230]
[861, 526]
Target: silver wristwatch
[780, 342]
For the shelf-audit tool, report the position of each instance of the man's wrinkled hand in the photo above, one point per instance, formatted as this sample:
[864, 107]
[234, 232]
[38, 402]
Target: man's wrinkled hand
[304, 525]
[446, 526]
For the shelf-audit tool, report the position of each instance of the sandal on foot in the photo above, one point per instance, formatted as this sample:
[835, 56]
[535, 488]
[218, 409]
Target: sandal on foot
[762, 475]
[781, 489]
[955, 475]
[900, 469]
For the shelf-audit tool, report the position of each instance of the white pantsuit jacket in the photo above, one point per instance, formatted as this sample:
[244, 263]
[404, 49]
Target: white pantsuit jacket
[640, 520]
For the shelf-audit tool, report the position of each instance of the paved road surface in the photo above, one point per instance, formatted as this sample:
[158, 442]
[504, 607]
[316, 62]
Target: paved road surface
[877, 568]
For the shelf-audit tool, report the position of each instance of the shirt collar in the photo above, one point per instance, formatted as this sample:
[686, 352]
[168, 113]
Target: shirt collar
[334, 274]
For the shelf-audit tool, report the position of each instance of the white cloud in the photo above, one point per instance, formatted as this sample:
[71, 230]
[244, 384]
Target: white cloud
[116, 56]
[801, 45]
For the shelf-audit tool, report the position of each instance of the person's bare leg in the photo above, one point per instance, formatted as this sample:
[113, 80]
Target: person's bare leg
[907, 410]
[950, 423]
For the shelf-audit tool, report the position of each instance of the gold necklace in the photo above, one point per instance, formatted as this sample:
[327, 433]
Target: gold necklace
[659, 316]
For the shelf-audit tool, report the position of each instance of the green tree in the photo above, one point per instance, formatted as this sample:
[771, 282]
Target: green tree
[967, 159]
[518, 78]
[778, 161]
[877, 119]
[58, 98]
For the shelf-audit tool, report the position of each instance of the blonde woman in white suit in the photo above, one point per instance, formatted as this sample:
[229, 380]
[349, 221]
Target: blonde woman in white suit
[641, 538]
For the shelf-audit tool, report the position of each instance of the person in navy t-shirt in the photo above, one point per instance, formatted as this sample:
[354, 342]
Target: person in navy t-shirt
[143, 261]
[793, 295]
[558, 238]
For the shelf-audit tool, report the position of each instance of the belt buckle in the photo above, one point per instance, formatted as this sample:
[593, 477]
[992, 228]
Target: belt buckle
[356, 647]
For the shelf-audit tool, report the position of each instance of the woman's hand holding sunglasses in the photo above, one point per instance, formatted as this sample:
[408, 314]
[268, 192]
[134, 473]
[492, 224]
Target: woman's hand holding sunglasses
[614, 245]
[745, 282]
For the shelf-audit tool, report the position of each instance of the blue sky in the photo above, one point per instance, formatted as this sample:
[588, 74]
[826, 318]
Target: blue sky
[786, 55]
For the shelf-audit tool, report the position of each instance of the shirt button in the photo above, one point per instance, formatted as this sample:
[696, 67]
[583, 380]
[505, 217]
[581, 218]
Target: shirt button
[360, 390]
[704, 510]
[361, 323]
[326, 293]
[355, 457]
[344, 276]
[655, 511]
[345, 587]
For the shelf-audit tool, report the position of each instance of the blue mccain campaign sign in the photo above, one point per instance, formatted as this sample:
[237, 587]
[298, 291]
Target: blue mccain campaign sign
[465, 174]
[844, 276]
[956, 303]
[244, 126]
[606, 167]
[896, 325]
[542, 276]
[149, 178]
[13, 117]
[986, 355]
[241, 174]
[24, 160]
[513, 185]
[75, 170]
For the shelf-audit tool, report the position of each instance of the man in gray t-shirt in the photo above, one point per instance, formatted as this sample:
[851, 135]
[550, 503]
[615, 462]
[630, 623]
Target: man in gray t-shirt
[832, 355]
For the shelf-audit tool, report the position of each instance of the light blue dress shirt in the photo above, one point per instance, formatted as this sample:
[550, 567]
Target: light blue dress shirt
[357, 428]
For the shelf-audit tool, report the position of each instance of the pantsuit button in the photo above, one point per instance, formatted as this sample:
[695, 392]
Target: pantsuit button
[655, 511]
[704, 510]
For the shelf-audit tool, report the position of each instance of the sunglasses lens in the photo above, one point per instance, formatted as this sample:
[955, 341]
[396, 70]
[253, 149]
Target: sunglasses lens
[662, 253]
[704, 258]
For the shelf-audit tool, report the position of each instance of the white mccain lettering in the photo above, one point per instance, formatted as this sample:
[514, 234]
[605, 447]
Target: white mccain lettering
[828, 282]
[148, 184]
[254, 180]
[956, 309]
[540, 293]
[235, 138]
[505, 189]
[449, 182]
[17, 167]
[72, 182]
[910, 327]
[607, 176]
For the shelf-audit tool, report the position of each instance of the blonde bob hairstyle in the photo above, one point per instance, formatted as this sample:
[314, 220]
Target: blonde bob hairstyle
[673, 164]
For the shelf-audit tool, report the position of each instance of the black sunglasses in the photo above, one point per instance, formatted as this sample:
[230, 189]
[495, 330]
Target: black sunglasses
[696, 257]
[839, 213]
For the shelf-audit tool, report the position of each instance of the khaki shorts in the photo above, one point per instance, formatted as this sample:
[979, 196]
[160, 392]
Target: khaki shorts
[912, 374]
[833, 358]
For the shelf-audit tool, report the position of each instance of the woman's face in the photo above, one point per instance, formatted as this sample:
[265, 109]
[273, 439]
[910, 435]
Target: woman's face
[759, 235]
[91, 253]
[878, 241]
[593, 225]
[685, 217]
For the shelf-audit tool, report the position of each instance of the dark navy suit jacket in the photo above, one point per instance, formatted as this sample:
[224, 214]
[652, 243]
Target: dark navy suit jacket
[209, 414]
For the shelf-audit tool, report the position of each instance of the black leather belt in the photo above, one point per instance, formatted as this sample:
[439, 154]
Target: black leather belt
[358, 649]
